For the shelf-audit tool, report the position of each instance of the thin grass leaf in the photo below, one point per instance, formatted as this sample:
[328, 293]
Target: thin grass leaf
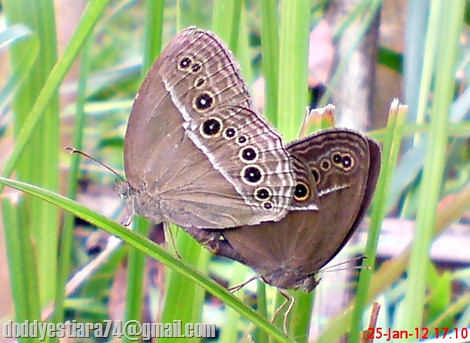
[390, 272]
[395, 126]
[364, 14]
[151, 249]
[18, 34]
[449, 18]
[261, 336]
[292, 94]
[244, 55]
[270, 54]
[293, 66]
[416, 27]
[90, 17]
[454, 310]
[65, 245]
[301, 316]
[39, 163]
[153, 32]
[226, 21]
[135, 292]
[232, 319]
[21, 262]
[183, 299]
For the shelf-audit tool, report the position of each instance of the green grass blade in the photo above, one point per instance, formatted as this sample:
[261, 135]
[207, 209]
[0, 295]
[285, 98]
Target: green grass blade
[390, 152]
[390, 272]
[244, 56]
[293, 66]
[301, 316]
[416, 22]
[292, 100]
[183, 299]
[135, 292]
[270, 53]
[151, 249]
[232, 319]
[39, 163]
[22, 267]
[65, 245]
[261, 300]
[18, 34]
[153, 31]
[448, 17]
[364, 14]
[226, 21]
[91, 15]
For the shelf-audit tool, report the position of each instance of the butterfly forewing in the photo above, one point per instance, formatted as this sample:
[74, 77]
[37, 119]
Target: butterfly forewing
[196, 154]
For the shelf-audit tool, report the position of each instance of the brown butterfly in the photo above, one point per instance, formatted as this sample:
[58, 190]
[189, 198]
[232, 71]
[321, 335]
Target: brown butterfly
[196, 154]
[342, 171]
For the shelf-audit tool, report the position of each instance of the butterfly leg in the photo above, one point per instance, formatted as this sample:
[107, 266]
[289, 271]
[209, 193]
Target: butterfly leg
[240, 286]
[169, 234]
[290, 300]
[127, 221]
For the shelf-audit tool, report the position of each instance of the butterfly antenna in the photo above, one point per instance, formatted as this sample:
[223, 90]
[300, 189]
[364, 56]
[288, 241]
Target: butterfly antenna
[359, 259]
[75, 151]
